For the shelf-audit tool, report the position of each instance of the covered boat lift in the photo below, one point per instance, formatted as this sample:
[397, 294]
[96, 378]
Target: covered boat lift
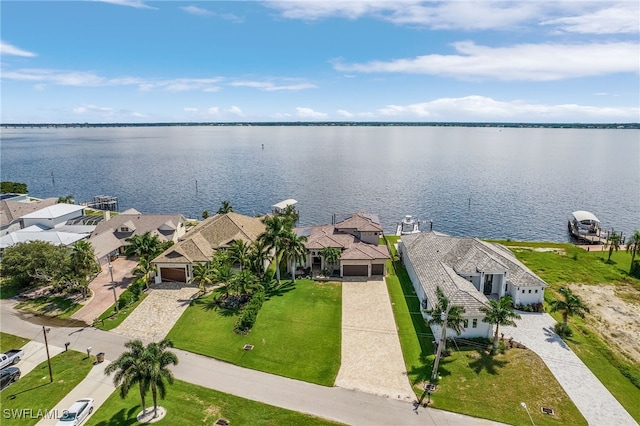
[585, 227]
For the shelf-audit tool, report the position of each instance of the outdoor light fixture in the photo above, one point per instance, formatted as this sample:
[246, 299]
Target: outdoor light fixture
[527, 410]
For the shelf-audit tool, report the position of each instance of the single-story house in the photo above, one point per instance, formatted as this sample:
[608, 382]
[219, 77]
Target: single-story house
[356, 236]
[56, 236]
[109, 237]
[469, 271]
[11, 209]
[198, 245]
[52, 216]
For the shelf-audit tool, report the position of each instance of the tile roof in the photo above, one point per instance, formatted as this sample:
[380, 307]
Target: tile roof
[163, 225]
[214, 232]
[363, 222]
[12, 210]
[438, 260]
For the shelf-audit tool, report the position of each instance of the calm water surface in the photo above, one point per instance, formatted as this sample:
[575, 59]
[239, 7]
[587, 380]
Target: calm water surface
[486, 182]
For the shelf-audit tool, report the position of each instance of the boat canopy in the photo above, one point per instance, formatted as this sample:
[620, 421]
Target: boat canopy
[284, 204]
[585, 217]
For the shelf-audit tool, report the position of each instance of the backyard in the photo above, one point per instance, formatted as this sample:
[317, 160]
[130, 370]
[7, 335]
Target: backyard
[297, 333]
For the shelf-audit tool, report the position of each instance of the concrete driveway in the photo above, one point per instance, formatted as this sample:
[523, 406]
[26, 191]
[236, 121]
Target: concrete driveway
[594, 401]
[102, 289]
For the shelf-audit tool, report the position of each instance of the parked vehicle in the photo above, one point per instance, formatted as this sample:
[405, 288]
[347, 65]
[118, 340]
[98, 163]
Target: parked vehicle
[10, 357]
[8, 376]
[77, 413]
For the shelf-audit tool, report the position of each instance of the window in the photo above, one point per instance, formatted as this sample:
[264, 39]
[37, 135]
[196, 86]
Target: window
[124, 229]
[522, 291]
[536, 290]
[475, 323]
[529, 291]
[465, 323]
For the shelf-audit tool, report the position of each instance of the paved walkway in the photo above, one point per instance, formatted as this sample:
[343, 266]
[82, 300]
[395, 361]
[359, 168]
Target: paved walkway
[96, 385]
[372, 359]
[102, 289]
[152, 320]
[346, 406]
[594, 401]
[34, 354]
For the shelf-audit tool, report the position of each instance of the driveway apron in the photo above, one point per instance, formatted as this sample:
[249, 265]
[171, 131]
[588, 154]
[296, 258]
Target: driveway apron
[594, 401]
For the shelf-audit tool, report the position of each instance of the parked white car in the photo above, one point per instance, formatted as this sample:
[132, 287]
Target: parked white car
[77, 413]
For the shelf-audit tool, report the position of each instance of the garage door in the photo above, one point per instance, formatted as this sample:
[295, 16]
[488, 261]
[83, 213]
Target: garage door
[355, 270]
[173, 274]
[377, 269]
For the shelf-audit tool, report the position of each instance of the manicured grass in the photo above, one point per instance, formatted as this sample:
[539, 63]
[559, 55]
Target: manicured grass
[297, 333]
[189, 404]
[9, 341]
[54, 306]
[8, 289]
[109, 320]
[471, 380]
[34, 391]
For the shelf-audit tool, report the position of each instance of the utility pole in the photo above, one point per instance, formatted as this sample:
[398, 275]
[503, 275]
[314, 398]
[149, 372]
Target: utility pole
[443, 338]
[113, 287]
[46, 345]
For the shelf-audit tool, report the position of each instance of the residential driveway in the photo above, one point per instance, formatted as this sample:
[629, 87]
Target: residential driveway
[102, 290]
[152, 320]
[594, 401]
[34, 354]
[372, 360]
[96, 385]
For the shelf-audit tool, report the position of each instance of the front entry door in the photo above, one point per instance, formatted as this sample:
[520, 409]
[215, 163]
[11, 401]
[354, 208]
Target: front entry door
[488, 283]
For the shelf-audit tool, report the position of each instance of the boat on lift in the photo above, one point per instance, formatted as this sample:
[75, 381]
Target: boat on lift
[407, 226]
[584, 226]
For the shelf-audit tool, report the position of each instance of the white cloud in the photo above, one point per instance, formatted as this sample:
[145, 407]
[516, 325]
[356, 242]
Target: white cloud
[535, 62]
[194, 10]
[309, 113]
[272, 87]
[190, 109]
[88, 108]
[138, 4]
[7, 49]
[487, 109]
[619, 18]
[213, 111]
[345, 113]
[235, 110]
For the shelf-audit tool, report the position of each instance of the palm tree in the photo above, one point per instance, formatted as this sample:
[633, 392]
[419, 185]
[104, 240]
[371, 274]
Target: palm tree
[633, 245]
[203, 274]
[499, 312]
[273, 236]
[295, 250]
[145, 245]
[239, 252]
[225, 207]
[158, 359]
[438, 315]
[205, 214]
[570, 306]
[244, 282]
[259, 256]
[290, 214]
[83, 259]
[68, 199]
[131, 369]
[331, 256]
[144, 270]
[614, 243]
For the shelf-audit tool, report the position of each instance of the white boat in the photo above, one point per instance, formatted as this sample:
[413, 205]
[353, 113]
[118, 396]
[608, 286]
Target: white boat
[407, 226]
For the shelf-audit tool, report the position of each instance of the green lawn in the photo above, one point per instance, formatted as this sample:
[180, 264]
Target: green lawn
[34, 391]
[55, 306]
[297, 333]
[189, 404]
[8, 289]
[9, 341]
[470, 379]
[110, 320]
[576, 265]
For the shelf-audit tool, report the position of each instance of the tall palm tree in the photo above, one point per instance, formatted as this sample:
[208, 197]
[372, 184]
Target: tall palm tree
[294, 250]
[83, 259]
[157, 359]
[239, 252]
[331, 256]
[68, 199]
[143, 270]
[273, 236]
[290, 214]
[245, 282]
[203, 274]
[438, 315]
[613, 242]
[499, 312]
[130, 369]
[633, 245]
[225, 207]
[146, 245]
[570, 306]
[259, 256]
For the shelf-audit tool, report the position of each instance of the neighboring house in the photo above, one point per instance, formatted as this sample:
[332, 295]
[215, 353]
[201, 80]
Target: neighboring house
[198, 245]
[56, 236]
[109, 237]
[356, 236]
[12, 208]
[52, 216]
[469, 271]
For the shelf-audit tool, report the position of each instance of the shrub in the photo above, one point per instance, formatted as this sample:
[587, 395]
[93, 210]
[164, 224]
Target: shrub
[247, 318]
[126, 299]
[562, 330]
[136, 289]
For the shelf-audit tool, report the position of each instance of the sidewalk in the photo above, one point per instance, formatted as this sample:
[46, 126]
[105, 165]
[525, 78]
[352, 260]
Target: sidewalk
[594, 401]
[96, 385]
[35, 353]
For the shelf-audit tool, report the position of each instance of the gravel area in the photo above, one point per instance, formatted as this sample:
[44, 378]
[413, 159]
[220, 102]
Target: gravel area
[372, 360]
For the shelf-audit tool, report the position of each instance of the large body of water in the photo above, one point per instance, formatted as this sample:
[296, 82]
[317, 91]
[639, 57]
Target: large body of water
[470, 181]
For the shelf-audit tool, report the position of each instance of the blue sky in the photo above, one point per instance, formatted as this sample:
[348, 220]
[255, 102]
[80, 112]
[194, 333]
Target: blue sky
[218, 61]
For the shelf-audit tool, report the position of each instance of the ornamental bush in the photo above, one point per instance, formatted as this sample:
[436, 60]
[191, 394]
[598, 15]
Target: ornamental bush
[249, 314]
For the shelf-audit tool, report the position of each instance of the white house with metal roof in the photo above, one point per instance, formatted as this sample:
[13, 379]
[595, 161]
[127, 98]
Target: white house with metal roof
[469, 271]
[52, 216]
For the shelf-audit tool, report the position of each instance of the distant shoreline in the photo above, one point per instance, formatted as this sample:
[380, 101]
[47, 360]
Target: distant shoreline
[336, 123]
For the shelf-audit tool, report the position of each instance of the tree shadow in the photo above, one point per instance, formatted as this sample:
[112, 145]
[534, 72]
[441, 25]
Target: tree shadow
[488, 362]
[123, 417]
[14, 395]
[281, 290]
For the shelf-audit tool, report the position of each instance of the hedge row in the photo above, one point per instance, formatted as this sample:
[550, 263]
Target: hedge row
[130, 295]
[249, 313]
